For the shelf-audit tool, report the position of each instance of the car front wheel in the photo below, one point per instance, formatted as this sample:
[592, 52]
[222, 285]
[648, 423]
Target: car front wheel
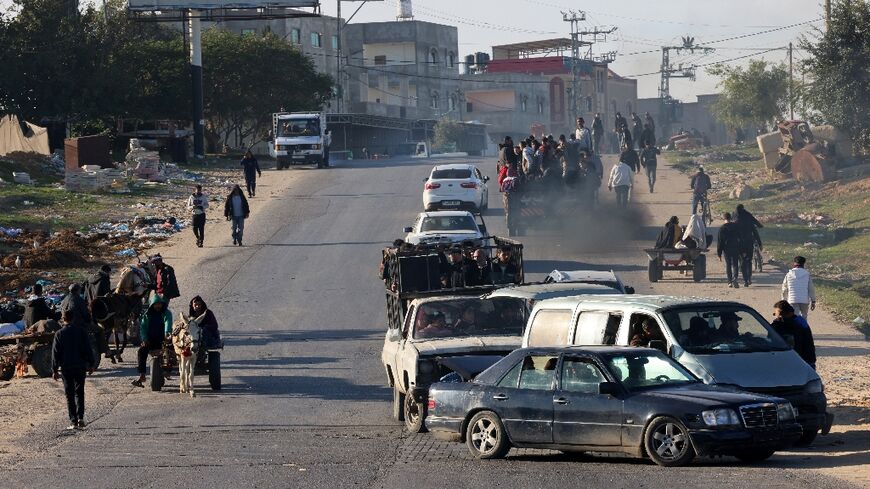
[485, 436]
[415, 413]
[667, 442]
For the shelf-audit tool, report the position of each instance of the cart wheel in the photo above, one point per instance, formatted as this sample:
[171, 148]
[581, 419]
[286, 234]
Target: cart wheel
[214, 370]
[41, 361]
[157, 379]
[7, 372]
[699, 271]
[655, 271]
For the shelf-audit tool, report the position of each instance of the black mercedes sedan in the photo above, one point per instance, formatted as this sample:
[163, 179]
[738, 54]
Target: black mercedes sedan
[637, 401]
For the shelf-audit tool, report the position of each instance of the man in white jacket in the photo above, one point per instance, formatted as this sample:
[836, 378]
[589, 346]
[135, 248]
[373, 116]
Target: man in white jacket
[620, 179]
[797, 287]
[197, 203]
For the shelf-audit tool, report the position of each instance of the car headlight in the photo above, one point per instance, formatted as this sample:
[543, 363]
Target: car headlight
[785, 412]
[814, 387]
[720, 417]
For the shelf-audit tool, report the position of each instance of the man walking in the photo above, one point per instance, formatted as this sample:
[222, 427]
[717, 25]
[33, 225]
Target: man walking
[597, 133]
[252, 171]
[75, 303]
[649, 161]
[198, 203]
[584, 136]
[729, 245]
[236, 210]
[798, 289]
[620, 179]
[700, 185]
[72, 359]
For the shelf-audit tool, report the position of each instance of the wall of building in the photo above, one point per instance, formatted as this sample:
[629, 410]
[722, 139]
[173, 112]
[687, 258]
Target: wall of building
[695, 115]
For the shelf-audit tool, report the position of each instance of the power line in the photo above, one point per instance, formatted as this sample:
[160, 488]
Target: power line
[710, 64]
[437, 14]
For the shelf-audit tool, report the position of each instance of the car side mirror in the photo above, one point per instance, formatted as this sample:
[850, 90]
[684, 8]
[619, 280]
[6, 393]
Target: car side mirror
[629, 289]
[659, 345]
[408, 229]
[394, 335]
[608, 388]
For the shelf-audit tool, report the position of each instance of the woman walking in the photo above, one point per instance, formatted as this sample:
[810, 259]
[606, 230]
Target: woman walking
[236, 210]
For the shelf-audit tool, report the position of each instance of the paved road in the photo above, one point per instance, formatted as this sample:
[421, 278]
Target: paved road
[305, 400]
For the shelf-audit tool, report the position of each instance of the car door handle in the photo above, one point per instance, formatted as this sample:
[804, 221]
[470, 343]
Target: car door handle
[500, 397]
[561, 400]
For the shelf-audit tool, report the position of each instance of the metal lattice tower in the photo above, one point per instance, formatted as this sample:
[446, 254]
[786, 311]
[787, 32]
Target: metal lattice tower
[668, 105]
[581, 39]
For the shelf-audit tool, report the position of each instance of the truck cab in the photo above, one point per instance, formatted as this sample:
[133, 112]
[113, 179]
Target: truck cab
[299, 138]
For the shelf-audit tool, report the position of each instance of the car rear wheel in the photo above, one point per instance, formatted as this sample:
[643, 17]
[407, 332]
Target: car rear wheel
[414, 413]
[485, 436]
[754, 456]
[667, 442]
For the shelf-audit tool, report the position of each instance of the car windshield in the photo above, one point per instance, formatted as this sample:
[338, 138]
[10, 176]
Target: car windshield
[647, 369]
[298, 127]
[712, 329]
[448, 223]
[502, 316]
[453, 173]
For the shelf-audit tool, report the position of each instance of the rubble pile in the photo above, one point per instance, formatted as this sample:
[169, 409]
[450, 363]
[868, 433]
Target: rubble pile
[144, 164]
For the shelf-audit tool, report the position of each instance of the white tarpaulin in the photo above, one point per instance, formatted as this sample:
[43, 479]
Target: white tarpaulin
[12, 139]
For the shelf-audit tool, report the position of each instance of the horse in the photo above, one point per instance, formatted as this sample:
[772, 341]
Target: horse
[120, 308]
[186, 340]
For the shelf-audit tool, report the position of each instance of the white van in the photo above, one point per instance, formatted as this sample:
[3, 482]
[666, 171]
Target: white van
[746, 353]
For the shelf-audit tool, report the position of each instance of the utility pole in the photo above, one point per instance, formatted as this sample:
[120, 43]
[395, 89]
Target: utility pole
[827, 15]
[667, 105]
[790, 82]
[575, 18]
[339, 96]
[195, 37]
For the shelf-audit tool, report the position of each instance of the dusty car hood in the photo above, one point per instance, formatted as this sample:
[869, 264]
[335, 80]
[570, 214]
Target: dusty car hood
[707, 395]
[467, 344]
[761, 369]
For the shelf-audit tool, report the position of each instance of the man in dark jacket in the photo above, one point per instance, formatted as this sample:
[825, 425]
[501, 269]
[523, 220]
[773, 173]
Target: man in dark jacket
[98, 284]
[637, 130]
[795, 334]
[236, 210]
[76, 303]
[252, 171]
[729, 245]
[597, 133]
[154, 326]
[747, 226]
[166, 284]
[649, 161]
[72, 355]
[700, 184]
[506, 155]
[504, 271]
[37, 309]
[630, 158]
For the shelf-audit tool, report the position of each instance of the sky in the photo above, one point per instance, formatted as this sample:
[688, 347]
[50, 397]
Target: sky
[643, 26]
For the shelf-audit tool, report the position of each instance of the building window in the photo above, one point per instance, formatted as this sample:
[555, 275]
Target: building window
[295, 36]
[433, 56]
[316, 39]
[434, 100]
[628, 107]
[249, 32]
[381, 60]
[335, 43]
[588, 104]
[451, 103]
[469, 108]
[540, 106]
[451, 59]
[524, 103]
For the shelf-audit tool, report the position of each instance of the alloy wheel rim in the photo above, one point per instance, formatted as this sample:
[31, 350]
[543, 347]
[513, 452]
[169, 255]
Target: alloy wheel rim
[669, 441]
[484, 435]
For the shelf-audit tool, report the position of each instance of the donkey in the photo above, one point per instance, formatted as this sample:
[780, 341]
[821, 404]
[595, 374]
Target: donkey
[186, 339]
[114, 313]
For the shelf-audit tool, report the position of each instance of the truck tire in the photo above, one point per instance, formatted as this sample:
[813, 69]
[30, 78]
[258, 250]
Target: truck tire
[214, 370]
[41, 361]
[699, 270]
[415, 415]
[398, 404]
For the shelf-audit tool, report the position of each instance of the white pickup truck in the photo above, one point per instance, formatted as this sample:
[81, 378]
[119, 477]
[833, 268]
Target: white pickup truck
[299, 138]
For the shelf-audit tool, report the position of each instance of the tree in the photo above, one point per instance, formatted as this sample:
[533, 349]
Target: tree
[448, 134]
[838, 67]
[756, 95]
[248, 77]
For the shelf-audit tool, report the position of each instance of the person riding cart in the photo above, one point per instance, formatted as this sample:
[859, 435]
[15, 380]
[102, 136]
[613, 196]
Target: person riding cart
[154, 326]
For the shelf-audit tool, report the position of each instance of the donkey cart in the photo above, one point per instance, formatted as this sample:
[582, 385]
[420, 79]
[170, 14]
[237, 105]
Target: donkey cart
[677, 259]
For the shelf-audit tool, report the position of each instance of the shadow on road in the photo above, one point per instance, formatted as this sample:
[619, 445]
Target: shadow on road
[260, 338]
[315, 387]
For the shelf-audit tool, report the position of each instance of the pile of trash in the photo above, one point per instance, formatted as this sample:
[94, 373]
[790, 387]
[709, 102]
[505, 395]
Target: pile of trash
[90, 179]
[144, 164]
[811, 220]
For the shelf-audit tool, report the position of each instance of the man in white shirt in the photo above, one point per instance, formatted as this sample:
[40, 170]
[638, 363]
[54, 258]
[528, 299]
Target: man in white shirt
[198, 203]
[620, 180]
[584, 136]
[797, 288]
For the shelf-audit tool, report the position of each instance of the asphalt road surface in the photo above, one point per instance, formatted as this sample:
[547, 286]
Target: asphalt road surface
[305, 401]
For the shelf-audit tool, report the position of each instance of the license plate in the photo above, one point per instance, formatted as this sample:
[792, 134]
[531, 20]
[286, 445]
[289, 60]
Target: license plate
[298, 157]
[450, 202]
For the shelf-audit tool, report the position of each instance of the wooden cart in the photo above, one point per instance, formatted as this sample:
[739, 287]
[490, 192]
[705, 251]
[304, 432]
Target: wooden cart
[677, 259]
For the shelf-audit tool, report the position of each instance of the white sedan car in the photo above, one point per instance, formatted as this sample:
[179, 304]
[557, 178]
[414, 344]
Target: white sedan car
[459, 186]
[446, 227]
